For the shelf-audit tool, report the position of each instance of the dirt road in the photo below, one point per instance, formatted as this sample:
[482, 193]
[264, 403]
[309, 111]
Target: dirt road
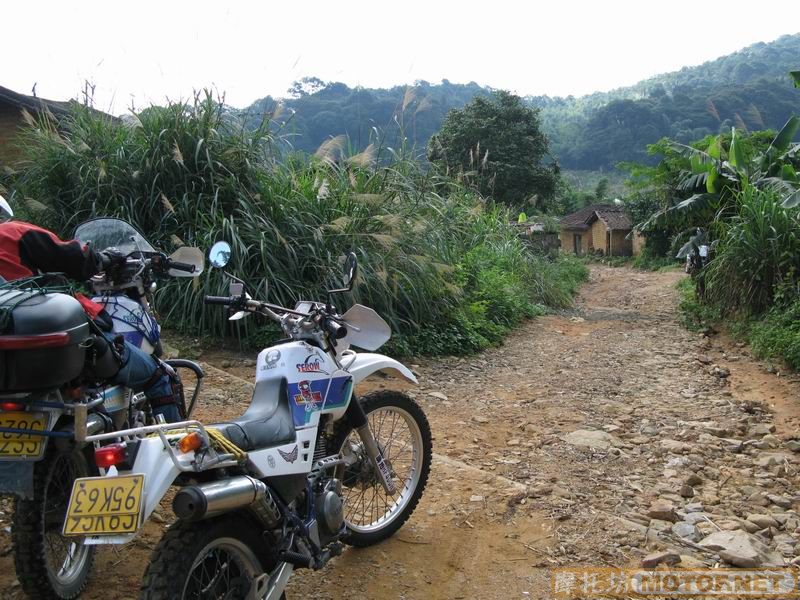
[551, 450]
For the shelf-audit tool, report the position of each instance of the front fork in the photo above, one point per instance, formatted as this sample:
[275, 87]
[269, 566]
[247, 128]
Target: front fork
[358, 420]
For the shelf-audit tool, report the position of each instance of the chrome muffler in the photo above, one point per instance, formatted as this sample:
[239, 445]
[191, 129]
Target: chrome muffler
[196, 502]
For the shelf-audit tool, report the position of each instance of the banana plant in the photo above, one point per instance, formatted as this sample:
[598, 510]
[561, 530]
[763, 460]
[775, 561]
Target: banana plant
[715, 174]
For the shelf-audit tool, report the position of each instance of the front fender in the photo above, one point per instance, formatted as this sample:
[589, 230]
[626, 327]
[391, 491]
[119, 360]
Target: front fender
[365, 364]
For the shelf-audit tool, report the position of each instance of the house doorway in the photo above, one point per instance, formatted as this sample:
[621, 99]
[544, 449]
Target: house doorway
[577, 240]
[608, 243]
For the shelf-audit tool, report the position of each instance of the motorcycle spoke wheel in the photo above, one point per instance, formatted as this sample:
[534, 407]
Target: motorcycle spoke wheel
[48, 564]
[225, 568]
[403, 435]
[65, 558]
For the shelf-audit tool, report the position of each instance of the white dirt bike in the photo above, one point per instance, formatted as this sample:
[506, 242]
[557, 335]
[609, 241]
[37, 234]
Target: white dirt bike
[307, 468]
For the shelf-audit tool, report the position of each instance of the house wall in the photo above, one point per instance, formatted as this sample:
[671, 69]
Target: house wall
[567, 244]
[598, 231]
[10, 122]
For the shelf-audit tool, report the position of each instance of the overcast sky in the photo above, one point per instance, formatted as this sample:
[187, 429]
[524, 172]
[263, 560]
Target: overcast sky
[142, 51]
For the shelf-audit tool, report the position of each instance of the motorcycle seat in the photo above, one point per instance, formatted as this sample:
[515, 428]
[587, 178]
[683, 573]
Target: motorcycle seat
[267, 421]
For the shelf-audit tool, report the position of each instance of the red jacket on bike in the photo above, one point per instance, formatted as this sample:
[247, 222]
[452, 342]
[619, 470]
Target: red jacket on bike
[27, 250]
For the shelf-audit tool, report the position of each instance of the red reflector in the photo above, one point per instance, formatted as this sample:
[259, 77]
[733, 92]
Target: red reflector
[108, 456]
[30, 342]
[11, 406]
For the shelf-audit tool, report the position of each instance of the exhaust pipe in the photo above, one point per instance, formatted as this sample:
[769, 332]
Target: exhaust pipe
[205, 500]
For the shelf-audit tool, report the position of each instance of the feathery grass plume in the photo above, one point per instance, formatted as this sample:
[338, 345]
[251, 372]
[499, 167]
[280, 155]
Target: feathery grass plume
[340, 224]
[177, 156]
[712, 109]
[754, 115]
[425, 104]
[365, 158]
[324, 190]
[330, 151]
[409, 97]
[370, 199]
[34, 205]
[167, 204]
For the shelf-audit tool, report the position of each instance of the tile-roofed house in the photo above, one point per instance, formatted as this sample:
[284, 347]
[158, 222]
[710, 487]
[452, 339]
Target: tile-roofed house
[600, 228]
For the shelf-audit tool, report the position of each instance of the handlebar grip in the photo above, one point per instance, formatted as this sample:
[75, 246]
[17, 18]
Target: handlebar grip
[336, 330]
[223, 300]
[182, 266]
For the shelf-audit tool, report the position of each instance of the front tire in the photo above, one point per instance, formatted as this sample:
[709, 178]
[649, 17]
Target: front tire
[216, 558]
[48, 564]
[401, 430]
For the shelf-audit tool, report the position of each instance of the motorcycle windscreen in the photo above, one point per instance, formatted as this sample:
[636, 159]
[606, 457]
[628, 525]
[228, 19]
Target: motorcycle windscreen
[365, 328]
[106, 232]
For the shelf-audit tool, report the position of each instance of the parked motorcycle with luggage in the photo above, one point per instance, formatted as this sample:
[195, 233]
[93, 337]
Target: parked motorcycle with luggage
[307, 468]
[54, 369]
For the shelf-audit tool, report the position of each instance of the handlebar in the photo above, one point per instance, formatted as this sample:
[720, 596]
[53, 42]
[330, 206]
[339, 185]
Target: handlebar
[223, 300]
[328, 324]
[179, 266]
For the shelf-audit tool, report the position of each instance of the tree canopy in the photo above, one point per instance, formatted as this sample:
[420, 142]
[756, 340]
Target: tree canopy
[497, 142]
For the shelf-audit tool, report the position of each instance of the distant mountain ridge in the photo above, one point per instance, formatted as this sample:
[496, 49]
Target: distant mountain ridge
[749, 89]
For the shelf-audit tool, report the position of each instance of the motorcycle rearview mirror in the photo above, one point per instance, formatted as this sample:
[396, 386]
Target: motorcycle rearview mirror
[350, 273]
[350, 270]
[220, 254]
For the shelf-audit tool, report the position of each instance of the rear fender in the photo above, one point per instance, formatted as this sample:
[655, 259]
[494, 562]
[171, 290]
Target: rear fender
[365, 364]
[159, 471]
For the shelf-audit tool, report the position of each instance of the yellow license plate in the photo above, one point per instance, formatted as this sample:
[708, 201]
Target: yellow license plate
[104, 505]
[22, 445]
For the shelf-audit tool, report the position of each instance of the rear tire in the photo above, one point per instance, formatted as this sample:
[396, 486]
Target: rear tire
[386, 411]
[36, 527]
[226, 552]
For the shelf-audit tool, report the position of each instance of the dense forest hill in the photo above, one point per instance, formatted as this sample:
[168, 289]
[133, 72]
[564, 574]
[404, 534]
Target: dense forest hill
[749, 89]
[316, 111]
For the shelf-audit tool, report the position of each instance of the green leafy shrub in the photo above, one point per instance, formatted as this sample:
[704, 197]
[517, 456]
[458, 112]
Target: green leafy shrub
[777, 336]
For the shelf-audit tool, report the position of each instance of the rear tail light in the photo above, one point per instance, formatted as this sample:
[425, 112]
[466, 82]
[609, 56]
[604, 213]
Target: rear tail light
[32, 342]
[109, 456]
[9, 406]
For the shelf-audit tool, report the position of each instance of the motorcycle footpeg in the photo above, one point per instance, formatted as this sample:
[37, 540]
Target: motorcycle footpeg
[300, 561]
